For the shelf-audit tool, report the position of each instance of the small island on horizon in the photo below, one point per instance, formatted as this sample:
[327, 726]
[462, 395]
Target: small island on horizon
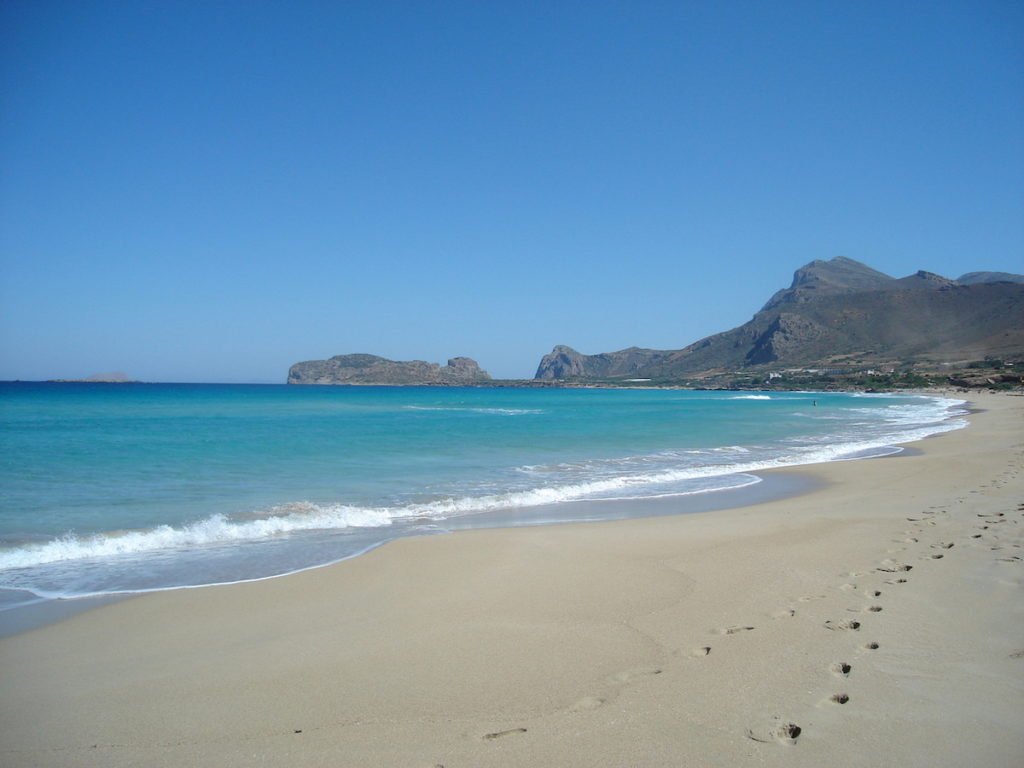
[115, 377]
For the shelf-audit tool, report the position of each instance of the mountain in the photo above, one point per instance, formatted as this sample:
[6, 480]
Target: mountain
[370, 369]
[836, 313]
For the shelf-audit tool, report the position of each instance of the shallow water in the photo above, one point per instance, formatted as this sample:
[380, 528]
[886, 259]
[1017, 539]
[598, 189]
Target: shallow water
[122, 488]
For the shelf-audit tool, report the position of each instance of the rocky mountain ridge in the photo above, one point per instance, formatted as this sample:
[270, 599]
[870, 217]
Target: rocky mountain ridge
[835, 313]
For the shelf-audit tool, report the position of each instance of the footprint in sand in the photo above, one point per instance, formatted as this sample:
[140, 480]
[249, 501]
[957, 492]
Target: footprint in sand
[587, 704]
[840, 669]
[843, 625]
[732, 630]
[838, 698]
[777, 731]
[631, 675]
[894, 568]
[871, 646]
[502, 734]
[704, 650]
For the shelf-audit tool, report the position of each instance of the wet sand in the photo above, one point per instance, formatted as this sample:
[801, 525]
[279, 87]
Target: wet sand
[877, 620]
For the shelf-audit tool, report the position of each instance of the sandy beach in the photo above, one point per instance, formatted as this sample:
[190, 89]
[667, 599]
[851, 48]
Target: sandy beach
[877, 620]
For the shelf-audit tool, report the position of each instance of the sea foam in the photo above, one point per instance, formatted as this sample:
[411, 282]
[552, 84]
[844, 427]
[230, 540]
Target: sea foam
[307, 516]
[557, 474]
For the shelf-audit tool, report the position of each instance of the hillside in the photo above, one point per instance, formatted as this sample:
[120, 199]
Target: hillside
[836, 313]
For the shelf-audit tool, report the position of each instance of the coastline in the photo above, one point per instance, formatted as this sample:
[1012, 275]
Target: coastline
[773, 486]
[322, 506]
[585, 644]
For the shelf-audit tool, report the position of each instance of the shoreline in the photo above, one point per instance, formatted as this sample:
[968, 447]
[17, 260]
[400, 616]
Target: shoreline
[674, 640]
[774, 484]
[61, 569]
[772, 487]
[219, 537]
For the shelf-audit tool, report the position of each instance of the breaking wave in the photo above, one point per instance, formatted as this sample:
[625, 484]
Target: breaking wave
[468, 409]
[307, 516]
[664, 473]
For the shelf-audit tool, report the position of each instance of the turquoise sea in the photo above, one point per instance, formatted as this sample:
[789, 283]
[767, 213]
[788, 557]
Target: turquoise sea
[134, 487]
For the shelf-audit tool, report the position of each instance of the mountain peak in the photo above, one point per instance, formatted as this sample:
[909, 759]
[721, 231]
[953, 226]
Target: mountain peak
[839, 272]
[836, 275]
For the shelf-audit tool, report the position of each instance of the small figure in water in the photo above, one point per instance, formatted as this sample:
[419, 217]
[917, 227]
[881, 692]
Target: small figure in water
[815, 403]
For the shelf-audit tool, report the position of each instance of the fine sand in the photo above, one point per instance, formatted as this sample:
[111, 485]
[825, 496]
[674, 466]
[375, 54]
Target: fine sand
[876, 621]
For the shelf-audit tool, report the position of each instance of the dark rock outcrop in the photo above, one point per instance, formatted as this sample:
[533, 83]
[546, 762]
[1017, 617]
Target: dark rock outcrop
[786, 334]
[836, 312]
[566, 363]
[371, 369]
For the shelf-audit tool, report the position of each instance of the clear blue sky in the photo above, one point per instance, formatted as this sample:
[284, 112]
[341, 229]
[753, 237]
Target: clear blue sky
[211, 191]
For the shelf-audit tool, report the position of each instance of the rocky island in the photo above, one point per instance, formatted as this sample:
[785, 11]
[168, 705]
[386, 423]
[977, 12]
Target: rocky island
[363, 369]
